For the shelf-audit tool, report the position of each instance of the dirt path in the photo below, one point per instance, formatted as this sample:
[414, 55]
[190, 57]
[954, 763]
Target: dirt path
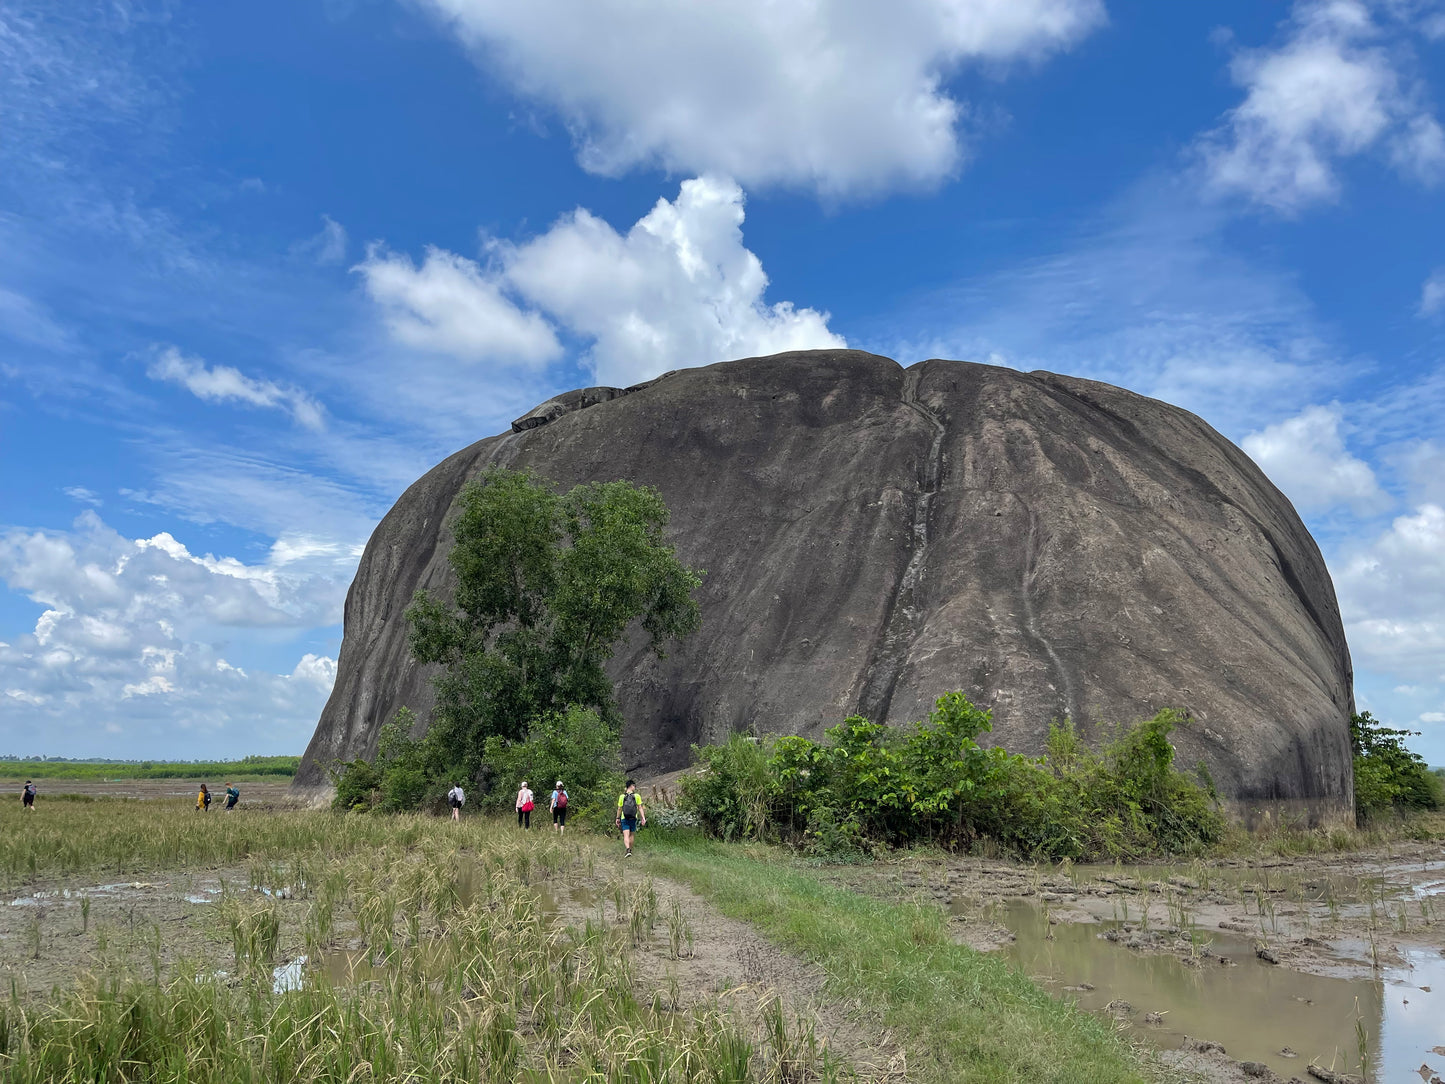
[695, 955]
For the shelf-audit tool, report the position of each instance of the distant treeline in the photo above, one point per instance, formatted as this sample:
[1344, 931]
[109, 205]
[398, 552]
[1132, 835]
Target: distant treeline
[100, 770]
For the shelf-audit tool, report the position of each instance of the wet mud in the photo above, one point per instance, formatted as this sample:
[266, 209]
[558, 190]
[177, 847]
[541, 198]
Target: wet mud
[1239, 970]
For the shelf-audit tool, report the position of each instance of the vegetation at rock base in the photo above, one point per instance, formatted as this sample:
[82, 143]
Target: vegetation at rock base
[102, 770]
[868, 785]
[1389, 778]
[574, 745]
[547, 586]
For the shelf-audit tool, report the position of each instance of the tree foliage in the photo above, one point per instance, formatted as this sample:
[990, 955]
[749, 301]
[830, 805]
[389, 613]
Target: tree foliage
[548, 584]
[1388, 776]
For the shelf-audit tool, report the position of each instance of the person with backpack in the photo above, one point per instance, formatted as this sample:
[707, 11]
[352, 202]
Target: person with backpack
[559, 808]
[233, 795]
[203, 800]
[27, 797]
[525, 805]
[630, 814]
[456, 798]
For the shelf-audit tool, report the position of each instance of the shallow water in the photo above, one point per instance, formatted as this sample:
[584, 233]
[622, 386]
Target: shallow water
[1254, 1009]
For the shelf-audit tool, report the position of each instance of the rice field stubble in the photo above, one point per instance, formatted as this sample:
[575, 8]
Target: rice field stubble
[433, 952]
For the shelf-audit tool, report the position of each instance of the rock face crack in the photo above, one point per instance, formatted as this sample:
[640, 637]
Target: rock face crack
[1063, 684]
[900, 627]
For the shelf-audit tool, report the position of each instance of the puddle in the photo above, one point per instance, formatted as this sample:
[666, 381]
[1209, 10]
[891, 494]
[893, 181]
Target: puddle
[1253, 1009]
[289, 976]
[583, 899]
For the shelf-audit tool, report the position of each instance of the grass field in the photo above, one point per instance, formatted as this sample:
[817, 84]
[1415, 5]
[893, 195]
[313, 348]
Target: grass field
[473, 976]
[247, 768]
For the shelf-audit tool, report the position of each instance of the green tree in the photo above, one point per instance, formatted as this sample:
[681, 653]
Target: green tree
[1387, 774]
[547, 585]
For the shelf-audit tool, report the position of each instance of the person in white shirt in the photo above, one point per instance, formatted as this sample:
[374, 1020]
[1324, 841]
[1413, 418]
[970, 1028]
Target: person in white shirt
[525, 805]
[456, 798]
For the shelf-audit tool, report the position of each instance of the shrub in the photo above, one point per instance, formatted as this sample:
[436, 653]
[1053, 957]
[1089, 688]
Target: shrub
[397, 780]
[734, 791]
[357, 783]
[868, 784]
[574, 745]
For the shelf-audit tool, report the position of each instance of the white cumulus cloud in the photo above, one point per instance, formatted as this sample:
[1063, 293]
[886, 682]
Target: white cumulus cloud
[451, 305]
[1306, 457]
[131, 624]
[845, 98]
[1392, 596]
[678, 289]
[222, 383]
[1334, 88]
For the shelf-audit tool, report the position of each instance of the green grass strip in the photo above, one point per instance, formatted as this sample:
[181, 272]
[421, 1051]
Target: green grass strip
[251, 768]
[962, 1015]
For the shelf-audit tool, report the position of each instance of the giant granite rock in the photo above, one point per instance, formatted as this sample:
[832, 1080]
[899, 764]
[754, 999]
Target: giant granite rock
[874, 536]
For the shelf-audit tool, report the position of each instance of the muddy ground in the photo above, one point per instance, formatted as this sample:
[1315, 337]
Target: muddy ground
[1374, 918]
[1335, 914]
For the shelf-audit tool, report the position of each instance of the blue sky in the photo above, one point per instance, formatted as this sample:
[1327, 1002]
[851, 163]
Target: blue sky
[262, 265]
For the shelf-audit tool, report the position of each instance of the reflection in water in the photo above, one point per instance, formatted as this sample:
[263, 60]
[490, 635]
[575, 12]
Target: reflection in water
[1253, 1009]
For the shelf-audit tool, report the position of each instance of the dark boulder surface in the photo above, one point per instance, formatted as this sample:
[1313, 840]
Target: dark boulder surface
[875, 536]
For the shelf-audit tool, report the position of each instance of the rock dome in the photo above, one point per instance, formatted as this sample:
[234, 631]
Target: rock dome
[874, 536]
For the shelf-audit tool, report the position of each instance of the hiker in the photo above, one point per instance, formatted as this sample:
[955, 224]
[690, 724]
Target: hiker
[559, 808]
[630, 814]
[233, 795]
[524, 806]
[203, 800]
[27, 797]
[456, 798]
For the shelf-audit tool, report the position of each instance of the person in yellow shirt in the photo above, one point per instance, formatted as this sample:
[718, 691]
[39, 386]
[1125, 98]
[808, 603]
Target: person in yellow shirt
[630, 814]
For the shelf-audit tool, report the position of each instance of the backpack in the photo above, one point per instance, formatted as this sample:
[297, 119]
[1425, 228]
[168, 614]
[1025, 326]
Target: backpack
[561, 799]
[629, 806]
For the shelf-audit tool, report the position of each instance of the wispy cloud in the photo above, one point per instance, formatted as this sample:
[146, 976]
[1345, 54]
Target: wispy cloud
[1149, 296]
[328, 246]
[1432, 293]
[222, 383]
[83, 496]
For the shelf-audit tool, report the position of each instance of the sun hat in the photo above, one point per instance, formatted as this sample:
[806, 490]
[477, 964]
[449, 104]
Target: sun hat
[559, 782]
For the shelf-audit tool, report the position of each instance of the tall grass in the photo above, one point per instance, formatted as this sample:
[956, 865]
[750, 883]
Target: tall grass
[129, 837]
[463, 982]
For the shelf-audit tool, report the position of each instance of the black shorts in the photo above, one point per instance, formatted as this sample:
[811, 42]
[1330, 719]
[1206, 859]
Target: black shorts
[454, 803]
[559, 815]
[27, 799]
